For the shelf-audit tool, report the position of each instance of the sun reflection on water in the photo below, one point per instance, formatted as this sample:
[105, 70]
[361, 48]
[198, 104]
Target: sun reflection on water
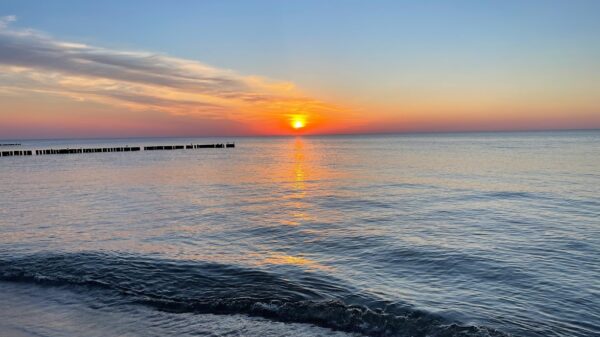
[299, 207]
[298, 261]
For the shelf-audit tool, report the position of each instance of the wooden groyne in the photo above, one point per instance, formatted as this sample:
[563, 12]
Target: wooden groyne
[113, 149]
[16, 153]
[92, 150]
[10, 144]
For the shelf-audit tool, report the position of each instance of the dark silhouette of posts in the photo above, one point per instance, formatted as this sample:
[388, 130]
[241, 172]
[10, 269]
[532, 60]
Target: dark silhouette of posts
[111, 149]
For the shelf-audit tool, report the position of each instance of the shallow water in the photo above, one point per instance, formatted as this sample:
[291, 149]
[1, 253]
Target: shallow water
[415, 235]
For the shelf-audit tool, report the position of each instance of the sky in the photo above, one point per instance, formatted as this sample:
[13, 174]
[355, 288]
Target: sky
[224, 68]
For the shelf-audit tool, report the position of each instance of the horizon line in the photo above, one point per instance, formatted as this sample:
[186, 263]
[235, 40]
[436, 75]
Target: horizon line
[382, 133]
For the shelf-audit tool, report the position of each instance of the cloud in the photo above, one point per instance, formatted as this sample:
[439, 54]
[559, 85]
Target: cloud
[33, 62]
[6, 20]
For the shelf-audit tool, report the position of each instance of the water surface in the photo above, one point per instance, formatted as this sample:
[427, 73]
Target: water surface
[414, 235]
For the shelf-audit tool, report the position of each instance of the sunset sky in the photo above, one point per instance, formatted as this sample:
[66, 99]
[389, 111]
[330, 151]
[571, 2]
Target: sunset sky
[204, 68]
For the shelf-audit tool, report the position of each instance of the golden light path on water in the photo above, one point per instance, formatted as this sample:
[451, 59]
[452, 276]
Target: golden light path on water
[300, 212]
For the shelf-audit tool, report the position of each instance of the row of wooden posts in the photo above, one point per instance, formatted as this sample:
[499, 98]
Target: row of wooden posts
[113, 149]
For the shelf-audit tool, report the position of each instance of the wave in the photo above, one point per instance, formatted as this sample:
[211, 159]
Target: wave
[203, 287]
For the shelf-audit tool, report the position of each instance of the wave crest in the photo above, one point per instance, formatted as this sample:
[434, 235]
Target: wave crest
[198, 287]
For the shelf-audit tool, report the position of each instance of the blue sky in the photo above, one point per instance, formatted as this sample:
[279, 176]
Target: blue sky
[274, 37]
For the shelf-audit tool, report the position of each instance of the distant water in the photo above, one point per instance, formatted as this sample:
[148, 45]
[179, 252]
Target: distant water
[417, 235]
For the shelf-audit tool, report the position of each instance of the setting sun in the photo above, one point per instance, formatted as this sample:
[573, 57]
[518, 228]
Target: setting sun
[298, 122]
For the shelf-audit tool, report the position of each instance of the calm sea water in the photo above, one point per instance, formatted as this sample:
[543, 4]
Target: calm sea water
[418, 235]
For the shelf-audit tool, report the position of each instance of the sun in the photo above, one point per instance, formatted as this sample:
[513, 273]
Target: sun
[297, 124]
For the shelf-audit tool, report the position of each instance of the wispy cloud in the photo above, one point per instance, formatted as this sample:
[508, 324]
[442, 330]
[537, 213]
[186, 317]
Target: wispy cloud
[5, 20]
[32, 61]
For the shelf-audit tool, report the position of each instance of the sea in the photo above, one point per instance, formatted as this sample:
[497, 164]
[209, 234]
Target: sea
[411, 235]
